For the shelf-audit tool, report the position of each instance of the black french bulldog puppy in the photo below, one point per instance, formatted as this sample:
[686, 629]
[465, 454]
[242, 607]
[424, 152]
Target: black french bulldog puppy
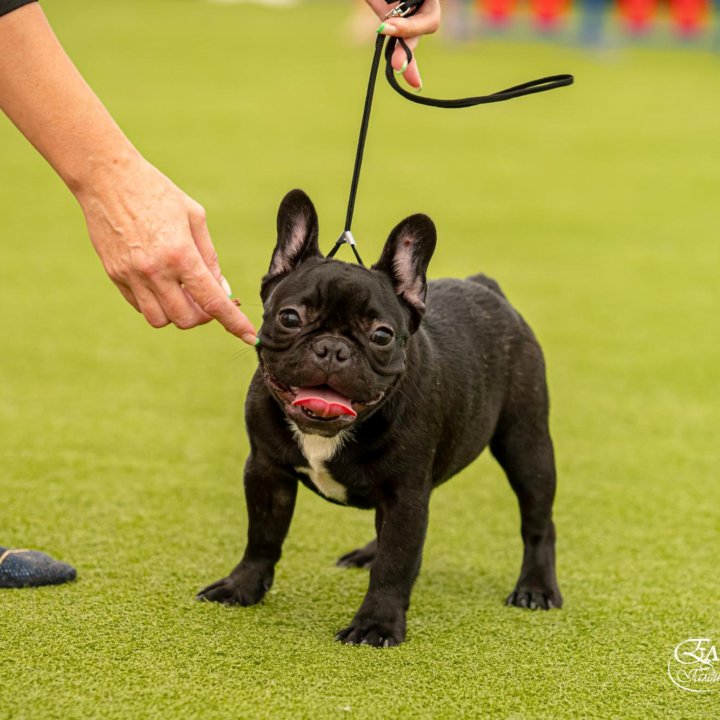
[375, 386]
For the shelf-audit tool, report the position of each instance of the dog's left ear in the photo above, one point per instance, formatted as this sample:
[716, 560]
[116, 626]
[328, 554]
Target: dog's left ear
[297, 237]
[405, 258]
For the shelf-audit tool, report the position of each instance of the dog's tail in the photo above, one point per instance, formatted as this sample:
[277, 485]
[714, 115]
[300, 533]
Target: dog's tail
[487, 282]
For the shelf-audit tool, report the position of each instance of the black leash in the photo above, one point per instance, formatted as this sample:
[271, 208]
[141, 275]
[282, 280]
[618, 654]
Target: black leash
[405, 9]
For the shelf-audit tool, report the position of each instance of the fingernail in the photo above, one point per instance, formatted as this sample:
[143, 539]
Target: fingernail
[225, 285]
[257, 342]
[249, 338]
[402, 69]
[419, 90]
[387, 29]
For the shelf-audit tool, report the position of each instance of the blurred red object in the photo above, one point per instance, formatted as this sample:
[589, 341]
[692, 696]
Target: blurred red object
[549, 14]
[497, 12]
[638, 15]
[689, 16]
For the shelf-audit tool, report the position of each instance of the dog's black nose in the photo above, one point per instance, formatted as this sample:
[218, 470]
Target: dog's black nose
[332, 349]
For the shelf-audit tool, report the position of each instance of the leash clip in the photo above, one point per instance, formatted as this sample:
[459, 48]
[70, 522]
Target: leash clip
[404, 9]
[347, 238]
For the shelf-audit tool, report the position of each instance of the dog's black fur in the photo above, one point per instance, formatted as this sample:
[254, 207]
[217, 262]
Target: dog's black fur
[461, 371]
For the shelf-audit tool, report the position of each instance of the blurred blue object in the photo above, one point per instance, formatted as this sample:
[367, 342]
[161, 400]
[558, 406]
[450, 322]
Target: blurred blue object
[592, 21]
[30, 568]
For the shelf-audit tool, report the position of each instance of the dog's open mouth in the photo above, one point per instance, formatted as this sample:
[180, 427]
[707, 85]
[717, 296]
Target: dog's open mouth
[319, 403]
[323, 402]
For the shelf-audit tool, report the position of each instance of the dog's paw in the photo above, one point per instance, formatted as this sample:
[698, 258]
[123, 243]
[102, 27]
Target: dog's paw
[243, 588]
[533, 599]
[360, 558]
[368, 630]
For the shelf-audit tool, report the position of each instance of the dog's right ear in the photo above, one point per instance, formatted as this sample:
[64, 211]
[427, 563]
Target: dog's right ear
[297, 238]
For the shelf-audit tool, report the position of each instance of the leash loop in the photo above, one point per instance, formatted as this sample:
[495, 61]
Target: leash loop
[528, 88]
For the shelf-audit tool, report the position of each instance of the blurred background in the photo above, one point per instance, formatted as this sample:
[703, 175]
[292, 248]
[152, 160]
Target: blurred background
[595, 207]
[594, 23]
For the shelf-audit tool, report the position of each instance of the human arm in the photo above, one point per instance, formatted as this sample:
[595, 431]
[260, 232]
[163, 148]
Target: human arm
[151, 237]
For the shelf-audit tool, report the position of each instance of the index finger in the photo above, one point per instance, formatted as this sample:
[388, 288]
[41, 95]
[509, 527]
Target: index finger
[205, 291]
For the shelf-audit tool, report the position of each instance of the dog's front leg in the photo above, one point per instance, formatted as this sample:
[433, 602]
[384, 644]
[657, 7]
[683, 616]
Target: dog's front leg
[401, 523]
[270, 495]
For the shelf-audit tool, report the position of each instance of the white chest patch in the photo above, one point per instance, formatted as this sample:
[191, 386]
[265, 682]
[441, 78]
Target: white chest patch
[318, 450]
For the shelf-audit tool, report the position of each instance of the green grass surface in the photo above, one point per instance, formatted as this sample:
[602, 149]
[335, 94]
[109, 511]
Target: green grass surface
[121, 447]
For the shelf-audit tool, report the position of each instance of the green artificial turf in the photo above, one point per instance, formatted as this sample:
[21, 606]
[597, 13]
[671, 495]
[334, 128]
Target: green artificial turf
[121, 447]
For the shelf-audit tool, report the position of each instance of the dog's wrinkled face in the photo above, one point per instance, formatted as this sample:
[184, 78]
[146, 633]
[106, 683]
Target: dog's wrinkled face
[334, 335]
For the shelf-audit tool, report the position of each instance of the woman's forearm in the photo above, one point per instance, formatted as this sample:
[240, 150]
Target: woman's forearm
[45, 96]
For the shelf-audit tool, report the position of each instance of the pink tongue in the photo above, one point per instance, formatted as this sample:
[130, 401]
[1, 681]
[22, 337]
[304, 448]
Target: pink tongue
[324, 401]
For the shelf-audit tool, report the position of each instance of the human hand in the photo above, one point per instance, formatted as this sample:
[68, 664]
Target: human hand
[424, 22]
[154, 243]
[151, 237]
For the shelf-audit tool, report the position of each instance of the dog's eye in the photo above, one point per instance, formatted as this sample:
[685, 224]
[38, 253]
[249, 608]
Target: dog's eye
[382, 336]
[289, 319]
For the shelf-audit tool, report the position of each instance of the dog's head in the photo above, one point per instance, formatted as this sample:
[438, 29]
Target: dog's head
[333, 337]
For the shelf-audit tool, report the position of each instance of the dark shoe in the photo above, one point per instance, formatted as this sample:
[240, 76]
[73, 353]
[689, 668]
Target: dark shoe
[30, 568]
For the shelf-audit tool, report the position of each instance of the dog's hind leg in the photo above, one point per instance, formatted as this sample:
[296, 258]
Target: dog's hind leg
[360, 558]
[363, 557]
[488, 282]
[523, 447]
